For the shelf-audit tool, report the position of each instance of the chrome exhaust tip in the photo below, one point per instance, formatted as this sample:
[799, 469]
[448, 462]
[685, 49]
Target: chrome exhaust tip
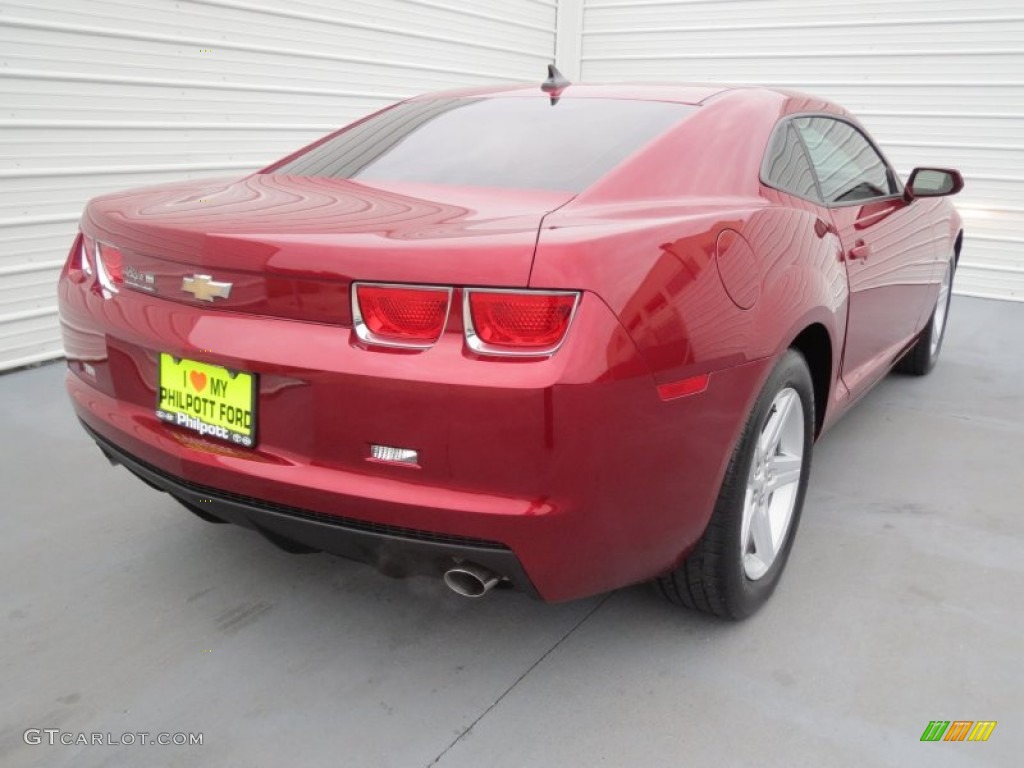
[471, 580]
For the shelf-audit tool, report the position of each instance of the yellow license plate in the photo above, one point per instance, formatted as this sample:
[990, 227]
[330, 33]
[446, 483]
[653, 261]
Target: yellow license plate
[208, 399]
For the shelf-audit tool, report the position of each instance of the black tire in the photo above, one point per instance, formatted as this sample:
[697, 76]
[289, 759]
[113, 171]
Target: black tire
[199, 512]
[712, 578]
[922, 357]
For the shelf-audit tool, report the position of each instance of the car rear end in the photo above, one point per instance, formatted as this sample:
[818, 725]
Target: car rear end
[366, 369]
[429, 455]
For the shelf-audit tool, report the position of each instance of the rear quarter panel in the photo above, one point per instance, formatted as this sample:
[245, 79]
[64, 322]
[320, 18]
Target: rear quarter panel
[660, 272]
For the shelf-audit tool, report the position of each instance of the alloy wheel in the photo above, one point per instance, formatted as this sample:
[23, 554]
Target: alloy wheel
[773, 484]
[941, 310]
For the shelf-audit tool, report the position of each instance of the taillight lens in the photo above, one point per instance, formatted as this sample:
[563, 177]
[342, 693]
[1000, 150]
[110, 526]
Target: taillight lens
[517, 322]
[109, 266]
[399, 315]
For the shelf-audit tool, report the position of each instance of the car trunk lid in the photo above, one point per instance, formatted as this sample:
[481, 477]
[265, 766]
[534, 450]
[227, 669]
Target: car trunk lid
[290, 246]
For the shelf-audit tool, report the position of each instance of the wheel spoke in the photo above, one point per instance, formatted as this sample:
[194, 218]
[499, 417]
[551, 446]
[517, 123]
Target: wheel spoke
[761, 534]
[772, 432]
[784, 469]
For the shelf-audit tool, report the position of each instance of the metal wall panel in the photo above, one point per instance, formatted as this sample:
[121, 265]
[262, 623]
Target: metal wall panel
[101, 95]
[937, 82]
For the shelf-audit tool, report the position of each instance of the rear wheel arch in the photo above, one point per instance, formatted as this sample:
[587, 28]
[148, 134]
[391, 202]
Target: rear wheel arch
[815, 344]
[714, 577]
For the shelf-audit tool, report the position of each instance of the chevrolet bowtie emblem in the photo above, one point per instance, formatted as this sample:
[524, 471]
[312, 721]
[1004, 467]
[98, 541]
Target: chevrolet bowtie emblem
[205, 288]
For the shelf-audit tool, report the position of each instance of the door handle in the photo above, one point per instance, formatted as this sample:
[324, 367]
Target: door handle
[860, 251]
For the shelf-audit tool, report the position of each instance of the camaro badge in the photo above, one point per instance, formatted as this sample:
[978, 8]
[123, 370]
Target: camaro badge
[205, 288]
[136, 278]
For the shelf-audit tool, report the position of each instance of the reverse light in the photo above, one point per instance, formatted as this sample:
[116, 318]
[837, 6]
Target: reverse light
[505, 322]
[87, 248]
[109, 266]
[389, 454]
[399, 315]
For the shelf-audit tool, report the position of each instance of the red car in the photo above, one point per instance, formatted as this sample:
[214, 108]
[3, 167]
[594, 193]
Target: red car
[564, 339]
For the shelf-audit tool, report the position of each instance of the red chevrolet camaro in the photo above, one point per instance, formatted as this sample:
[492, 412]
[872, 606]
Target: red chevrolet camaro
[563, 339]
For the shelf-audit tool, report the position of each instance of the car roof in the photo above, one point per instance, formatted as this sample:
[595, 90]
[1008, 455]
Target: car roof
[681, 93]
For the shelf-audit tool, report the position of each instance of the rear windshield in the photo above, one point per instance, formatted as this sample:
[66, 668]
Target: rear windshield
[520, 143]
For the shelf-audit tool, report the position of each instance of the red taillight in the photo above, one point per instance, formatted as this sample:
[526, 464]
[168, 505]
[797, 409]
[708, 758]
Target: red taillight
[517, 322]
[401, 316]
[110, 257]
[109, 267]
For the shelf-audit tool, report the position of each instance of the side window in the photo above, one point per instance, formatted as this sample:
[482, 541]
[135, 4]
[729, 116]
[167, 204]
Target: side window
[786, 166]
[848, 167]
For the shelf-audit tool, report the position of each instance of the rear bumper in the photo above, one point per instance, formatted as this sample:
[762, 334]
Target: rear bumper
[392, 550]
[573, 466]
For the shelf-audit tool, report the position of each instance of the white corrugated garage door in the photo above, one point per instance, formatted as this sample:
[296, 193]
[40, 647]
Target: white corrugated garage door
[99, 95]
[937, 82]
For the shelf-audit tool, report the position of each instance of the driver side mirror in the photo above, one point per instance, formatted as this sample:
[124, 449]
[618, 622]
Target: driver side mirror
[933, 182]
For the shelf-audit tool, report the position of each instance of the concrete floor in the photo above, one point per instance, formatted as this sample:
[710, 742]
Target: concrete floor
[903, 603]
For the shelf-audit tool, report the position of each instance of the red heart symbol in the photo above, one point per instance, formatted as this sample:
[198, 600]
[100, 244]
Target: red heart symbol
[198, 380]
